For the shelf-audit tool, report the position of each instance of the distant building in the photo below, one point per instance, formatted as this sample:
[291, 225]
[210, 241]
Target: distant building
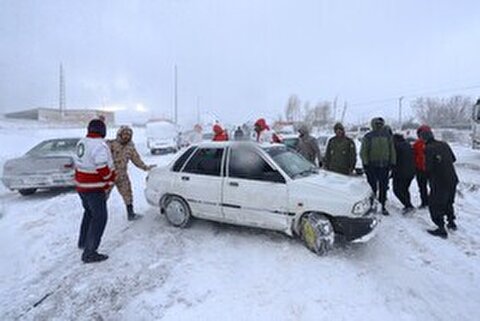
[65, 116]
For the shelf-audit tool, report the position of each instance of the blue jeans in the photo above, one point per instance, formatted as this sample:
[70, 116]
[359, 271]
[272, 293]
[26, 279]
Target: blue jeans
[94, 220]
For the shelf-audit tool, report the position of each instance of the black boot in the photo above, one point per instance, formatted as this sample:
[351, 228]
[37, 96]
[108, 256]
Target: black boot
[384, 211]
[408, 209]
[93, 257]
[440, 232]
[452, 226]
[131, 215]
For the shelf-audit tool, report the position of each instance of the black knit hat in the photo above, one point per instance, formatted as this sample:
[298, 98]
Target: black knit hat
[97, 126]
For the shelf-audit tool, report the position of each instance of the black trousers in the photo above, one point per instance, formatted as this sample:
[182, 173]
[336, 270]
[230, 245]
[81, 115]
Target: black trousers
[94, 220]
[377, 177]
[401, 187]
[422, 181]
[440, 202]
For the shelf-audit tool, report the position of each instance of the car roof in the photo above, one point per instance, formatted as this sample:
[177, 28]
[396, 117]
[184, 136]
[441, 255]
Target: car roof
[225, 144]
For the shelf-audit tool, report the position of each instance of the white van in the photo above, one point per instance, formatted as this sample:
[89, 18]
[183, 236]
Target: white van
[162, 137]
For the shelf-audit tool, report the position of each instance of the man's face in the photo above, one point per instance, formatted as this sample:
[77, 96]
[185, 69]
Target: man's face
[125, 137]
[258, 128]
[339, 132]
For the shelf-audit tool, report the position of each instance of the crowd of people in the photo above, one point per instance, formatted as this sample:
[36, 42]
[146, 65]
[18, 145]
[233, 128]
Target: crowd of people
[102, 164]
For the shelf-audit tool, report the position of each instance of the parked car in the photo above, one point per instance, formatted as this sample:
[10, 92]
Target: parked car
[162, 137]
[47, 165]
[268, 186]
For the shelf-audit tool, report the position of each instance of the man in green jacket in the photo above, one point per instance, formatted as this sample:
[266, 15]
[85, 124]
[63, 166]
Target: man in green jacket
[341, 154]
[378, 158]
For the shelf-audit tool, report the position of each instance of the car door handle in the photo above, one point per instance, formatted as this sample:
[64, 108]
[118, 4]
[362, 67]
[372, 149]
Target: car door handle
[233, 184]
[185, 178]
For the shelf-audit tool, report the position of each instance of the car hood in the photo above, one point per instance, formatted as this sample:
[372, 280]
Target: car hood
[332, 193]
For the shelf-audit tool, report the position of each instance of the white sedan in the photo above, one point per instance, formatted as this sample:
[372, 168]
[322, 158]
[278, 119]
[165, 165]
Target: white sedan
[266, 186]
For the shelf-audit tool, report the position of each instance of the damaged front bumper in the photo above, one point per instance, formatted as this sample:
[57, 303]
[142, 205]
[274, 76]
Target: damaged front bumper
[356, 229]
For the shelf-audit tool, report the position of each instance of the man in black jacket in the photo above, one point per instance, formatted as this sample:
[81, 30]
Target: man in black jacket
[443, 181]
[403, 172]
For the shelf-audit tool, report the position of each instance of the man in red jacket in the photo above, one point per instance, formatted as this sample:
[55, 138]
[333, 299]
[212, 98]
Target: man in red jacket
[94, 174]
[420, 170]
[220, 134]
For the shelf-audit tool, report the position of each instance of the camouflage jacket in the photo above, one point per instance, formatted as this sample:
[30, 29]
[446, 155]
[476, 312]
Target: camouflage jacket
[122, 153]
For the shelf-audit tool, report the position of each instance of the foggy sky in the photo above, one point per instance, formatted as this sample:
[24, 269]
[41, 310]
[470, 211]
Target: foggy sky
[243, 59]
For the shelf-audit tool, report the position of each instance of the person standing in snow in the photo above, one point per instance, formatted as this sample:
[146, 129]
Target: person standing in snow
[403, 172]
[378, 157]
[94, 174]
[308, 146]
[341, 153]
[263, 134]
[443, 180]
[123, 151]
[239, 134]
[220, 134]
[420, 171]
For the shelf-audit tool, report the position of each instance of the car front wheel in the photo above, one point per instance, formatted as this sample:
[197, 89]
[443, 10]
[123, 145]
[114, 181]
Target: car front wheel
[177, 211]
[317, 233]
[27, 191]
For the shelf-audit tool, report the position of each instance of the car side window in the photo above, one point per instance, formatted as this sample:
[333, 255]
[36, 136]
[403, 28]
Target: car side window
[205, 161]
[182, 159]
[248, 164]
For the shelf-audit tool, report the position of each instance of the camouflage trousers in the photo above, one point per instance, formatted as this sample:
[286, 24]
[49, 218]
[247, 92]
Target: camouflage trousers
[124, 187]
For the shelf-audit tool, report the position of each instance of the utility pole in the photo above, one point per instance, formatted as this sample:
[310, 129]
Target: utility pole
[175, 102]
[344, 111]
[400, 112]
[198, 110]
[335, 108]
[61, 97]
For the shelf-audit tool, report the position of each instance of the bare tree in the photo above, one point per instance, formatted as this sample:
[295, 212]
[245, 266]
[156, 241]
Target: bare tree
[292, 110]
[320, 115]
[443, 112]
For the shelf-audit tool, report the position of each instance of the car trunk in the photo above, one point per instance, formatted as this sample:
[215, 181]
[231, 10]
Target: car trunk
[29, 165]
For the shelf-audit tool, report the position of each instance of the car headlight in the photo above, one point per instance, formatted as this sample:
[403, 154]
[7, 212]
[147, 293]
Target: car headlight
[361, 207]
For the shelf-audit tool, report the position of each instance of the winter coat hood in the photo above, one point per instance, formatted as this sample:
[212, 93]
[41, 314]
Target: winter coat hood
[377, 123]
[262, 124]
[97, 126]
[303, 130]
[217, 129]
[122, 130]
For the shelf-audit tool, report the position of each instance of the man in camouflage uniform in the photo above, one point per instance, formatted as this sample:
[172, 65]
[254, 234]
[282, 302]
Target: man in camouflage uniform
[341, 153]
[123, 151]
[308, 146]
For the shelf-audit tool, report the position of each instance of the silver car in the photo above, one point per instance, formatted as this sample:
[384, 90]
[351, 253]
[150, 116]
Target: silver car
[47, 165]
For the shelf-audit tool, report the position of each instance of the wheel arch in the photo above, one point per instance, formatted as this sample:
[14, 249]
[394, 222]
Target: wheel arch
[296, 223]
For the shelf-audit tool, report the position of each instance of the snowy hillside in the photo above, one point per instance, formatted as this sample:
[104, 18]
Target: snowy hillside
[213, 271]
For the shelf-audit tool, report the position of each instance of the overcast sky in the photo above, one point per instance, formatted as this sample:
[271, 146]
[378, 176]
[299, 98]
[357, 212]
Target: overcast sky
[242, 58]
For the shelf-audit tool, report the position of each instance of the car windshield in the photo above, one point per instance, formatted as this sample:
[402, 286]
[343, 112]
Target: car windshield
[291, 142]
[57, 146]
[292, 163]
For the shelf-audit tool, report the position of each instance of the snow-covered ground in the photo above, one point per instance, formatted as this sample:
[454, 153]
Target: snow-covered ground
[213, 271]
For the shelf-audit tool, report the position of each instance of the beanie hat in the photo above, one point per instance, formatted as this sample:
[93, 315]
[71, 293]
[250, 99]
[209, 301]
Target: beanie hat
[98, 127]
[423, 128]
[338, 126]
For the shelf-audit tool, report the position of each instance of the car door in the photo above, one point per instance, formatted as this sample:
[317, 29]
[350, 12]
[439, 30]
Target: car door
[200, 182]
[254, 193]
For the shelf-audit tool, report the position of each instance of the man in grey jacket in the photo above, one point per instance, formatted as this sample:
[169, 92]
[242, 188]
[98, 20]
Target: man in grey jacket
[308, 146]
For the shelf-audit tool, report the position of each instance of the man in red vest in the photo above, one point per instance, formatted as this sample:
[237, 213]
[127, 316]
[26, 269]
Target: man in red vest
[94, 174]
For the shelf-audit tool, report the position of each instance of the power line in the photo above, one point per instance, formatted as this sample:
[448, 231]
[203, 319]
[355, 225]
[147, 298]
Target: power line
[413, 94]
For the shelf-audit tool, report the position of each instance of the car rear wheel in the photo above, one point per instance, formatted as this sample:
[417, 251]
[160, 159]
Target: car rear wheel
[27, 191]
[177, 211]
[317, 233]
